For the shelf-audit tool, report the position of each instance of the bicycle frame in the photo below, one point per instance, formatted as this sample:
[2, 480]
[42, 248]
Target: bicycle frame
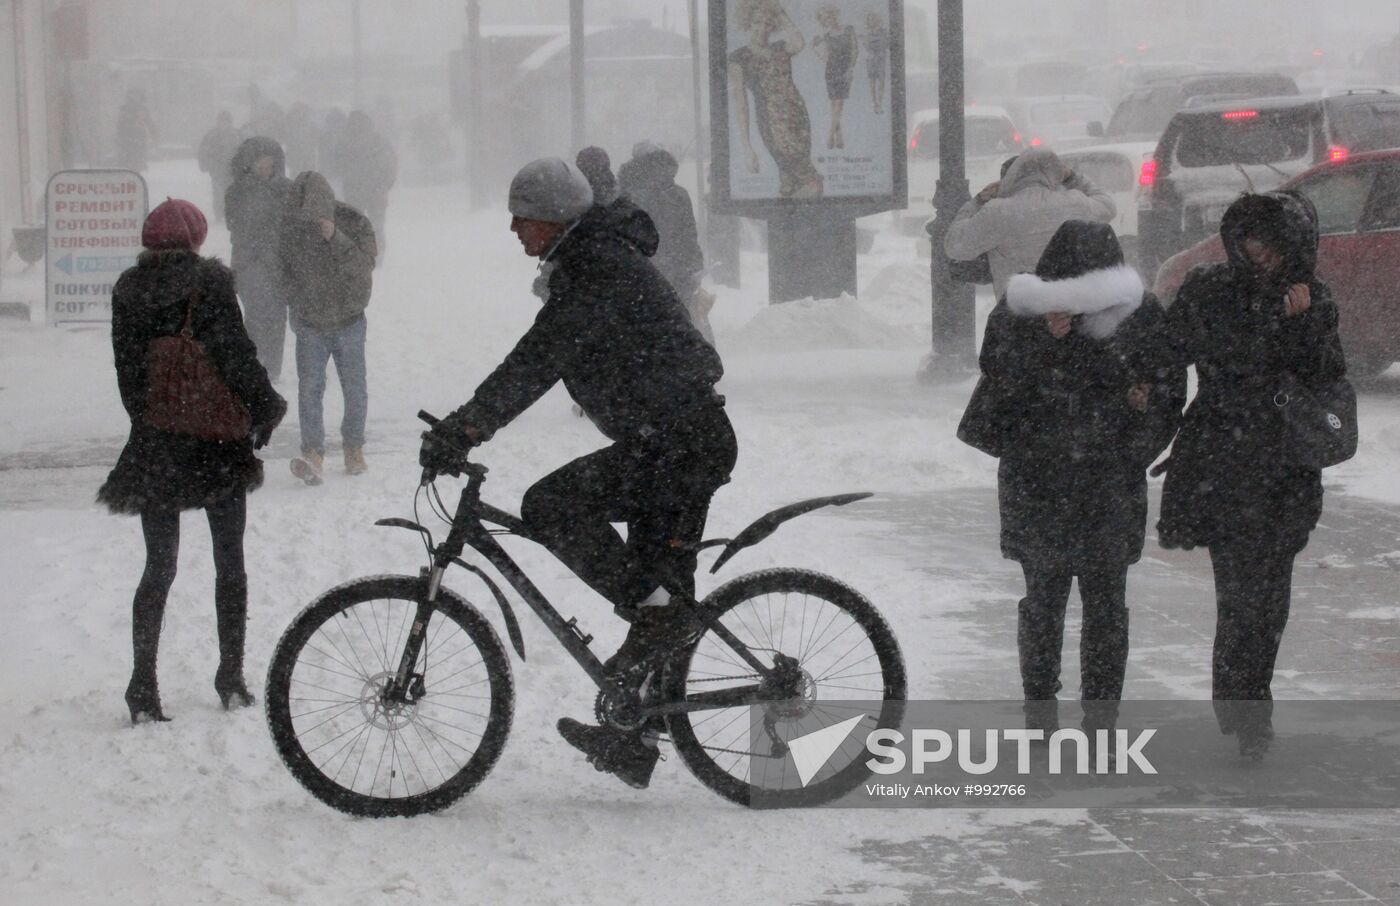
[469, 530]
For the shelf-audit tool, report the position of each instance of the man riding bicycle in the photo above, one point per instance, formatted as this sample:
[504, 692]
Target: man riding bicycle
[616, 334]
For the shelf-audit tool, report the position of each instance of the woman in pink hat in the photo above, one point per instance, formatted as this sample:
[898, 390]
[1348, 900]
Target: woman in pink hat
[164, 470]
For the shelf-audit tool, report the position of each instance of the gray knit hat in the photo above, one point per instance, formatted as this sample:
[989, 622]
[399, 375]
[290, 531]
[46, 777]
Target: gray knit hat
[550, 190]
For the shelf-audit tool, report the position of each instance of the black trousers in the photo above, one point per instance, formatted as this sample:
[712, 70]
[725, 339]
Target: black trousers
[659, 486]
[1103, 646]
[1253, 587]
[161, 528]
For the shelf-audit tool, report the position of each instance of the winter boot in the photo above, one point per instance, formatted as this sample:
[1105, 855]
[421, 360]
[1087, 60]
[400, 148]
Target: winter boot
[355, 461]
[228, 679]
[654, 631]
[629, 756]
[308, 466]
[142, 693]
[143, 701]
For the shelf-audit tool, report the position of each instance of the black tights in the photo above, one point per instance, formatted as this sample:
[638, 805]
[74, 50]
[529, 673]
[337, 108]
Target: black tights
[1253, 585]
[1103, 645]
[161, 528]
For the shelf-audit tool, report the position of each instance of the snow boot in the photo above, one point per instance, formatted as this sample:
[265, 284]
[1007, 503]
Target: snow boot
[355, 461]
[630, 756]
[308, 466]
[143, 693]
[232, 622]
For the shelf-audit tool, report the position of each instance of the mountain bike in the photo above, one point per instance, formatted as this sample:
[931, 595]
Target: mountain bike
[393, 695]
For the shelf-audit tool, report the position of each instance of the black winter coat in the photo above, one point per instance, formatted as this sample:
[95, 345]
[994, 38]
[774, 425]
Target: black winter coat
[1072, 488]
[650, 182]
[613, 331]
[1228, 477]
[158, 469]
[253, 206]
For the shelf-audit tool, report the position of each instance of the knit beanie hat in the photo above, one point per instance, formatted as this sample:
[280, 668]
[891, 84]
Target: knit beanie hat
[174, 224]
[550, 190]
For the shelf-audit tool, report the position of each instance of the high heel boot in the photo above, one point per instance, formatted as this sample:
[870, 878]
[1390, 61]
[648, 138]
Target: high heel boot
[142, 693]
[228, 680]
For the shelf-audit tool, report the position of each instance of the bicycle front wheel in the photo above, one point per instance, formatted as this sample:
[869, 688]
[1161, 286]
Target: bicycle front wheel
[365, 755]
[843, 662]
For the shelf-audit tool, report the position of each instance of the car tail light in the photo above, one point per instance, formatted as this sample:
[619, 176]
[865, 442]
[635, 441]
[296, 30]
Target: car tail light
[914, 142]
[1239, 115]
[1337, 152]
[1035, 143]
[1016, 137]
[1148, 174]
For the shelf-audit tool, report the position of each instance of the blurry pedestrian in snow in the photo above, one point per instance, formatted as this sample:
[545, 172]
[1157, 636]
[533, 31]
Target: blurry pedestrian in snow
[253, 207]
[216, 152]
[614, 332]
[327, 255]
[1086, 399]
[649, 180]
[300, 138]
[596, 166]
[328, 147]
[1012, 220]
[136, 132]
[1247, 324]
[163, 472]
[370, 168]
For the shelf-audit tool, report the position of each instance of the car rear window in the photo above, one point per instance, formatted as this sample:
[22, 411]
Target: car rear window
[1110, 172]
[1146, 112]
[1244, 137]
[1370, 127]
[984, 136]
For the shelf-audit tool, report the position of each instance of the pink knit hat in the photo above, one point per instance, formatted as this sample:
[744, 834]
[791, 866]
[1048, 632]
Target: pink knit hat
[174, 224]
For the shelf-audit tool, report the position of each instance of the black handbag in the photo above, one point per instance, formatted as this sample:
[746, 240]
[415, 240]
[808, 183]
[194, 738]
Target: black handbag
[984, 423]
[1319, 425]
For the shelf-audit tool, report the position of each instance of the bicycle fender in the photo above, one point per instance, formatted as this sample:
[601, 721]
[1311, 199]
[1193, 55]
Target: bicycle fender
[396, 522]
[768, 523]
[512, 625]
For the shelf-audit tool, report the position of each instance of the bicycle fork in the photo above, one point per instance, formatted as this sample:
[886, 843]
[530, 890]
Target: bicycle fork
[407, 685]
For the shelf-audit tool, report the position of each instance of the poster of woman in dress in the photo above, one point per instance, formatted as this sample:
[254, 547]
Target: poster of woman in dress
[791, 70]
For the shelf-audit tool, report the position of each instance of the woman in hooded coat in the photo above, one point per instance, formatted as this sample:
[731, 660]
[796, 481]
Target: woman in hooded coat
[253, 209]
[159, 473]
[1259, 318]
[1077, 355]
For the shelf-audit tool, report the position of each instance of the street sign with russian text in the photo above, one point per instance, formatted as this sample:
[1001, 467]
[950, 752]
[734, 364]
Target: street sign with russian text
[93, 220]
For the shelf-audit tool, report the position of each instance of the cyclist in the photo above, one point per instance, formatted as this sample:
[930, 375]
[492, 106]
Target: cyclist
[616, 334]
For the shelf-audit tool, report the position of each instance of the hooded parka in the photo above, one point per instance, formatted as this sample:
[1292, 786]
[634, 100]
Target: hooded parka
[1229, 477]
[649, 180]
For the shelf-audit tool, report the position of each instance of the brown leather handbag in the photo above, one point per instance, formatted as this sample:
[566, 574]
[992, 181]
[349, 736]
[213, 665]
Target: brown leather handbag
[184, 393]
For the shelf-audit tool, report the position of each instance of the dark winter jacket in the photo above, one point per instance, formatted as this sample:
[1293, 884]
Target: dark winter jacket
[328, 281]
[1072, 486]
[216, 152]
[613, 331]
[367, 162]
[254, 206]
[157, 469]
[1229, 477]
[650, 182]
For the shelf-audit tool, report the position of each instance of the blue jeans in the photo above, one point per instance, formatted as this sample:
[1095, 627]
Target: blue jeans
[315, 346]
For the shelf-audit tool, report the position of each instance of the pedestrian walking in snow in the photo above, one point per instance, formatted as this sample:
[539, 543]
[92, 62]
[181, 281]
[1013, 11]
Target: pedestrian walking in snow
[369, 168]
[136, 132]
[327, 256]
[253, 206]
[1233, 484]
[1077, 360]
[216, 151]
[1011, 220]
[649, 180]
[165, 470]
[615, 333]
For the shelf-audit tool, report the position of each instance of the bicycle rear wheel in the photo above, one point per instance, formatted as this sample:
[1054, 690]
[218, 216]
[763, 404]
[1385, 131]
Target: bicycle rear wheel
[848, 662]
[365, 756]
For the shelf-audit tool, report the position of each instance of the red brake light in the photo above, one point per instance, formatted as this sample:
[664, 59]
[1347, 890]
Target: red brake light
[1337, 152]
[914, 142]
[1148, 175]
[1035, 143]
[1239, 115]
[1016, 137]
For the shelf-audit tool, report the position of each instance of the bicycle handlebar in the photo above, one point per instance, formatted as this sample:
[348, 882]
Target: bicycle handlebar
[475, 471]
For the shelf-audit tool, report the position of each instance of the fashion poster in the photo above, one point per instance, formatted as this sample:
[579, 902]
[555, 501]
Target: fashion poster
[807, 99]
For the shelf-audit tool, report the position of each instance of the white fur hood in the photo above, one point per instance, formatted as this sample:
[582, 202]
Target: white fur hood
[1106, 298]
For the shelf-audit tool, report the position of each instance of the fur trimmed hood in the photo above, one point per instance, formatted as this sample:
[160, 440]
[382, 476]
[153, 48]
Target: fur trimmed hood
[1104, 298]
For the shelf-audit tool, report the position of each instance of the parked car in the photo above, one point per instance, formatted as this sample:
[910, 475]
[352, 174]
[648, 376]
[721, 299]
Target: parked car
[1358, 206]
[1143, 114]
[989, 137]
[1210, 152]
[1058, 121]
[1115, 169]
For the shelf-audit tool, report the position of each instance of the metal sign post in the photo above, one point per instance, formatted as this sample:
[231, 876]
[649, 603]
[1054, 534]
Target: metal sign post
[94, 220]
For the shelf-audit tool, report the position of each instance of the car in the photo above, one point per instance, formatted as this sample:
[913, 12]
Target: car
[1115, 169]
[1212, 151]
[1058, 121]
[989, 138]
[1143, 114]
[1358, 205]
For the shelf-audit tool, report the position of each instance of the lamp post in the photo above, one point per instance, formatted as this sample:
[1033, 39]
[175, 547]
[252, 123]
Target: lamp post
[954, 328]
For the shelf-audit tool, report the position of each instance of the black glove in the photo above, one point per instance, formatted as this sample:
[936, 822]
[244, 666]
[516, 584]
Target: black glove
[445, 447]
[260, 435]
